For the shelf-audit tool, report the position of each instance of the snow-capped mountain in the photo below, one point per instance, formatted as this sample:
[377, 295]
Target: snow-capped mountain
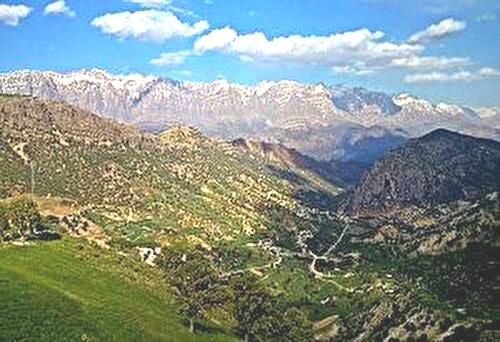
[362, 100]
[312, 118]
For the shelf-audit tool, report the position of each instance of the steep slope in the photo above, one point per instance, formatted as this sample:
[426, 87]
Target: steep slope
[360, 100]
[58, 150]
[440, 167]
[341, 174]
[343, 142]
[283, 111]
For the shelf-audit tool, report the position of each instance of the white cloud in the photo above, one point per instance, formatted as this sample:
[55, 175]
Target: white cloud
[58, 7]
[487, 17]
[359, 70]
[12, 14]
[489, 72]
[220, 40]
[437, 31]
[165, 5]
[171, 58]
[185, 73]
[467, 76]
[150, 25]
[361, 50]
[152, 3]
[431, 62]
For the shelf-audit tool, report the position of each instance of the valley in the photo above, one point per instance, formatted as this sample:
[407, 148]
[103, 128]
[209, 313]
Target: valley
[112, 229]
[255, 171]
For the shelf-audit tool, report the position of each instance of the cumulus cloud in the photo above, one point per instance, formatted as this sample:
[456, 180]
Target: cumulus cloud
[152, 3]
[467, 76]
[12, 14]
[437, 31]
[489, 72]
[360, 52]
[340, 50]
[220, 39]
[58, 7]
[171, 58]
[152, 25]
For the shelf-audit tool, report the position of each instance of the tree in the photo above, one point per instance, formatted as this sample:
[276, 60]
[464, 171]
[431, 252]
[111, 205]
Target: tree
[198, 287]
[255, 310]
[263, 317]
[296, 326]
[20, 220]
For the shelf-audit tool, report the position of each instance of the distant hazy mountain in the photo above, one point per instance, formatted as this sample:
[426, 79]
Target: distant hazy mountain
[440, 167]
[321, 121]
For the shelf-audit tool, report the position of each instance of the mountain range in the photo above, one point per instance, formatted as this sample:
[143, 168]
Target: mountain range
[324, 122]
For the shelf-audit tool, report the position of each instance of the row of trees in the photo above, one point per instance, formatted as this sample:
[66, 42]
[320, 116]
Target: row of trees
[258, 315]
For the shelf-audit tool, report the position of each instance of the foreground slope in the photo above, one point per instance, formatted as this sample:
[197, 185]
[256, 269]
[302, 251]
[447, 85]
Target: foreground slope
[70, 290]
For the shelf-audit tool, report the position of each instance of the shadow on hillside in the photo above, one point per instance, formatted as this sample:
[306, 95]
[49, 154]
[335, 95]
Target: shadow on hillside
[306, 193]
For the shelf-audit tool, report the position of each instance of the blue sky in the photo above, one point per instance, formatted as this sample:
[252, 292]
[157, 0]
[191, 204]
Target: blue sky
[442, 50]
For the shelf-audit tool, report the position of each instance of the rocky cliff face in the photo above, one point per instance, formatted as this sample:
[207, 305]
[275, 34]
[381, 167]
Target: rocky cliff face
[440, 167]
[318, 120]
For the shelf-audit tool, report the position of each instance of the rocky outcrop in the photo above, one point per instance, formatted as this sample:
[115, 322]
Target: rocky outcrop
[440, 167]
[400, 317]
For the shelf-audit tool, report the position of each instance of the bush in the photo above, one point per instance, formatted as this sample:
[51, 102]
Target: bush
[20, 220]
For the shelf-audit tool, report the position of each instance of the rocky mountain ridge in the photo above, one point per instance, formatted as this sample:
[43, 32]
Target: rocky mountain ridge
[301, 116]
[342, 174]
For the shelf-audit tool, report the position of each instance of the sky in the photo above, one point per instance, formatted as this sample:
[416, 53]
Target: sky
[441, 50]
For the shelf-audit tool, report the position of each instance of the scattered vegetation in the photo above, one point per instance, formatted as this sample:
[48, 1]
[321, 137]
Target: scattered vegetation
[186, 238]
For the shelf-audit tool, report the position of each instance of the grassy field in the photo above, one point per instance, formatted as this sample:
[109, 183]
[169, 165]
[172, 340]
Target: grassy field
[69, 290]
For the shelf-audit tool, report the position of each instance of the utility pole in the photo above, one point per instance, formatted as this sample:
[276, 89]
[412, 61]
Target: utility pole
[32, 176]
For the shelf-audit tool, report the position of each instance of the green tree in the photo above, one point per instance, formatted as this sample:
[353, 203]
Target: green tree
[255, 310]
[198, 286]
[261, 316]
[19, 219]
[296, 326]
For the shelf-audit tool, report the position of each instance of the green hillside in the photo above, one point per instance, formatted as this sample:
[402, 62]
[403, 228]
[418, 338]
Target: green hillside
[69, 290]
[131, 236]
